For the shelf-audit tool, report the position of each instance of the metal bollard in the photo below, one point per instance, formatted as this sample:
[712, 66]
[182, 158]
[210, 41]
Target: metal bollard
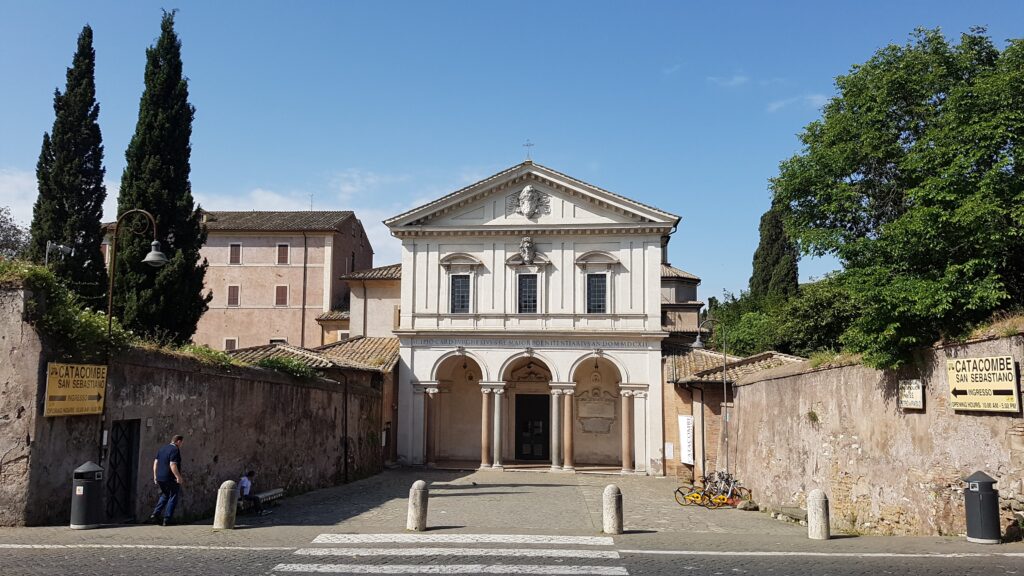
[417, 519]
[612, 510]
[227, 506]
[817, 516]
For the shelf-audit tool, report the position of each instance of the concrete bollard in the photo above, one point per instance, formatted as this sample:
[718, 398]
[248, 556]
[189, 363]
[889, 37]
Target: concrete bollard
[417, 519]
[612, 510]
[227, 506]
[817, 516]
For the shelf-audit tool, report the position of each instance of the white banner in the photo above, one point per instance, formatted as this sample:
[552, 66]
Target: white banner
[686, 439]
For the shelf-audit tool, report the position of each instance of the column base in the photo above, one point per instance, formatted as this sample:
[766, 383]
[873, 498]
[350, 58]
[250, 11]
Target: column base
[498, 467]
[568, 469]
[556, 468]
[627, 471]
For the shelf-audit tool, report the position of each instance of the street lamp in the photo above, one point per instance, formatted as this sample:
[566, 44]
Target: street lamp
[155, 258]
[698, 345]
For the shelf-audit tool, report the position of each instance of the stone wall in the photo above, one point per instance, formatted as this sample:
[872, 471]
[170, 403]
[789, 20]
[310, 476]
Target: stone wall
[885, 470]
[298, 435]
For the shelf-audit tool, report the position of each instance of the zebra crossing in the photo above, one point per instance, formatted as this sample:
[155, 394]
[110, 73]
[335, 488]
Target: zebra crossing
[456, 554]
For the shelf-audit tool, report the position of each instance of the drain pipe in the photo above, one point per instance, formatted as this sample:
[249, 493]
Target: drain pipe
[305, 270]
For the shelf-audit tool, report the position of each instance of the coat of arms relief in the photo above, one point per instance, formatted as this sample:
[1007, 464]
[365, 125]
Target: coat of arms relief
[529, 202]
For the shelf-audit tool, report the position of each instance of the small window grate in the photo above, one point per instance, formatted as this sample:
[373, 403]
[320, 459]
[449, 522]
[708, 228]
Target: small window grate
[597, 294]
[527, 293]
[460, 294]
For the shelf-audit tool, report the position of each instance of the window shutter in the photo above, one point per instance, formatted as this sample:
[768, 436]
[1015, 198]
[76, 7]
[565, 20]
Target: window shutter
[235, 254]
[282, 253]
[233, 295]
[280, 296]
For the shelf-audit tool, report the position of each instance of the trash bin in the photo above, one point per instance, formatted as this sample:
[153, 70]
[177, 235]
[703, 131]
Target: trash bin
[982, 502]
[87, 497]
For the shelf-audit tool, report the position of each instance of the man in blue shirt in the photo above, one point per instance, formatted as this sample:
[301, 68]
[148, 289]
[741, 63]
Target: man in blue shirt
[167, 475]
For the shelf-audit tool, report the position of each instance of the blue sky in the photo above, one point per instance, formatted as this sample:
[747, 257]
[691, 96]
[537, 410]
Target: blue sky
[378, 106]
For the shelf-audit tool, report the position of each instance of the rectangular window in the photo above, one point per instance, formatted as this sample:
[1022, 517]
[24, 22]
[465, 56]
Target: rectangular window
[234, 253]
[282, 253]
[278, 340]
[527, 293]
[460, 294]
[233, 295]
[281, 295]
[597, 294]
[230, 344]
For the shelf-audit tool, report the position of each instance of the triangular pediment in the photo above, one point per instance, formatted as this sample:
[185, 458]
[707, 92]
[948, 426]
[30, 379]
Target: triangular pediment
[530, 195]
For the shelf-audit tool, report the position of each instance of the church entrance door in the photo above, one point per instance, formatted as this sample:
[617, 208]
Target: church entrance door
[533, 433]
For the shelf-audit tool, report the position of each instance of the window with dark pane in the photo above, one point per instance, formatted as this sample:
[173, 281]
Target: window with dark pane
[460, 293]
[234, 253]
[282, 253]
[597, 294]
[527, 293]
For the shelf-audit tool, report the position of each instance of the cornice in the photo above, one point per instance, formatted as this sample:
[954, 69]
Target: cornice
[533, 230]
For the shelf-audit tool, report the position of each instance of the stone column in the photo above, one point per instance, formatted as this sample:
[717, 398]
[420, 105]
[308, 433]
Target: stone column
[568, 424]
[627, 431]
[430, 399]
[419, 429]
[556, 430]
[499, 393]
[485, 428]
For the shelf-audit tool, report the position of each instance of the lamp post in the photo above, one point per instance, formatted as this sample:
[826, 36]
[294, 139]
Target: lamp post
[155, 258]
[699, 345]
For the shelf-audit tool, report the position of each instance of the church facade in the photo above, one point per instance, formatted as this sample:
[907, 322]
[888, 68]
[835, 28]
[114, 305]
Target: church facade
[530, 326]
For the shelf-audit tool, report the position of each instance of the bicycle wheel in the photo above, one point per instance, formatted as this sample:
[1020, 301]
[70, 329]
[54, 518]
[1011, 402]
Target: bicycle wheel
[681, 497]
[742, 493]
[716, 501]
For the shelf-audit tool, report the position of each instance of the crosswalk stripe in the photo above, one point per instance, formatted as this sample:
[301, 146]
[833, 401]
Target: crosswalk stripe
[521, 552]
[462, 539]
[453, 569]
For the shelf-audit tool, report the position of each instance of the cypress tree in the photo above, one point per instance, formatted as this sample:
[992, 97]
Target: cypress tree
[775, 260]
[69, 209]
[167, 302]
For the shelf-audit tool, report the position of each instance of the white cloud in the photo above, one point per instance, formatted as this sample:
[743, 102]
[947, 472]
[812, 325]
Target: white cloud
[351, 182]
[671, 70]
[813, 101]
[18, 192]
[729, 81]
[110, 203]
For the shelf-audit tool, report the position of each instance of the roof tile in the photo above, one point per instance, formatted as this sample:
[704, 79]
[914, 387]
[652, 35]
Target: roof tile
[275, 221]
[389, 272]
[368, 353]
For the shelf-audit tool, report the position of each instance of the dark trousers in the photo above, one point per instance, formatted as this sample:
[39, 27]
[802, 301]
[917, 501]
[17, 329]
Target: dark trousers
[169, 490]
[256, 505]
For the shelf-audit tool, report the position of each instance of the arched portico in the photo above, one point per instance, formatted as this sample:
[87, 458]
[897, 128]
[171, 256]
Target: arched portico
[602, 423]
[454, 417]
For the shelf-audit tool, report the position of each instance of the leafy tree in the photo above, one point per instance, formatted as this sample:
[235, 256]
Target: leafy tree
[166, 302]
[911, 179]
[13, 238]
[69, 209]
[817, 318]
[775, 260]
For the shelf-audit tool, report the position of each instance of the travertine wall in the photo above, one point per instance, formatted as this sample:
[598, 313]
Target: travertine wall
[295, 433]
[885, 470]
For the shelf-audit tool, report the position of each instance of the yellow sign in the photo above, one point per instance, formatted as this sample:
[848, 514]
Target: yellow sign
[74, 389]
[984, 384]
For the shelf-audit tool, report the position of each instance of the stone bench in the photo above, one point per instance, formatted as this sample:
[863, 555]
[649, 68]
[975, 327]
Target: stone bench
[264, 497]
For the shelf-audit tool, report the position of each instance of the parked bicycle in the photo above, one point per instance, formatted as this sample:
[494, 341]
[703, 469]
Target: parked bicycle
[716, 490]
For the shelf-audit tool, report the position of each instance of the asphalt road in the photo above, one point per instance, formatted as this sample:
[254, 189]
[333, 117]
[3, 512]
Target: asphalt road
[499, 558]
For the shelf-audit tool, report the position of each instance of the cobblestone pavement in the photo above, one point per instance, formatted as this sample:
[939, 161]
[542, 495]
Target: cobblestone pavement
[490, 522]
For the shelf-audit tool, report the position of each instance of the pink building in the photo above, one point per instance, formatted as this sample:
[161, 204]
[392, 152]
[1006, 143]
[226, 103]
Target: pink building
[272, 274]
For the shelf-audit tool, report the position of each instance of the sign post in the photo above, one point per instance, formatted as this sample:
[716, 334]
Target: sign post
[983, 384]
[74, 389]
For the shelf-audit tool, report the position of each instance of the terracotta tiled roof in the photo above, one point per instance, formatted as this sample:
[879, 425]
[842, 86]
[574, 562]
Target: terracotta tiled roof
[389, 272]
[274, 221]
[673, 272]
[683, 361]
[742, 367]
[256, 353]
[375, 353]
[334, 315]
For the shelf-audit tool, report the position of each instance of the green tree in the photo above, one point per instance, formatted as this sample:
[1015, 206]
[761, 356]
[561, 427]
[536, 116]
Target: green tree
[911, 179]
[166, 302]
[775, 260]
[13, 238]
[69, 209]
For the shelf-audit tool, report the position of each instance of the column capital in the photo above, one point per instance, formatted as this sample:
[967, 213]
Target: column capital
[636, 390]
[426, 387]
[564, 387]
[488, 387]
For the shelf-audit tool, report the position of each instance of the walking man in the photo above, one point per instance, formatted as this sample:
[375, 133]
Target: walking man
[167, 475]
